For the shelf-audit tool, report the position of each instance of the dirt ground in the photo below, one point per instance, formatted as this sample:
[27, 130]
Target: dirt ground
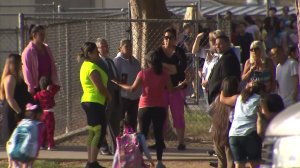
[169, 164]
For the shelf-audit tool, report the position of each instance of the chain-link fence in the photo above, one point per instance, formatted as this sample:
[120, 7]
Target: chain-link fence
[65, 35]
[9, 32]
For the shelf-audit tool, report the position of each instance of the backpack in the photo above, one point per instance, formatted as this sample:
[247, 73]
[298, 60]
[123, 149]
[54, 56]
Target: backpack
[128, 153]
[23, 144]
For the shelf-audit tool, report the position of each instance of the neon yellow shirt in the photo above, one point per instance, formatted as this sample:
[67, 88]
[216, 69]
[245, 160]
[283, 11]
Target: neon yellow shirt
[90, 91]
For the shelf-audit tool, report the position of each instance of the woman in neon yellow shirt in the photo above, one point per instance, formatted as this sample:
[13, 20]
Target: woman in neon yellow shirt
[95, 94]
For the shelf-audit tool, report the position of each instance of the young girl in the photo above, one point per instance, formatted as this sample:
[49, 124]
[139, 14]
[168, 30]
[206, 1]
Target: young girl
[23, 150]
[125, 128]
[152, 104]
[244, 141]
[46, 99]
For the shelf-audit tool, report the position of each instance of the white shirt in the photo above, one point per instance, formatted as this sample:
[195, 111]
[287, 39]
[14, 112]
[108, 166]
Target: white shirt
[284, 76]
[128, 70]
[252, 29]
[209, 65]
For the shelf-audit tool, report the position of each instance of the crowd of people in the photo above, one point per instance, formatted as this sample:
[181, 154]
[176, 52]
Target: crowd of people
[242, 87]
[246, 90]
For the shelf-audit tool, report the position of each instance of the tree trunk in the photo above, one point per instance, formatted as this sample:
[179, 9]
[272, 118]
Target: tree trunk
[147, 35]
[297, 6]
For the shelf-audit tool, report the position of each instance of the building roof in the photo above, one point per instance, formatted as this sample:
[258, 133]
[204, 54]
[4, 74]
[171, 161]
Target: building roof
[236, 10]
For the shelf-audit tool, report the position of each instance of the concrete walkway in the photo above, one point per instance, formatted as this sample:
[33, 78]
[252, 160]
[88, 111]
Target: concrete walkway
[65, 153]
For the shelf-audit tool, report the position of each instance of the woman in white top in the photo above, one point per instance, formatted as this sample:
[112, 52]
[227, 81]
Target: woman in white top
[211, 57]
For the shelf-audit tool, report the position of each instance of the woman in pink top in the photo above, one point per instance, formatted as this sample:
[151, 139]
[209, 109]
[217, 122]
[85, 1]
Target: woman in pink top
[152, 104]
[37, 60]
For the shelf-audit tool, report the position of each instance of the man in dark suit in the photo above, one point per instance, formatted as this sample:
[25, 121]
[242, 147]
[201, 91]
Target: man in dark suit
[228, 65]
[113, 111]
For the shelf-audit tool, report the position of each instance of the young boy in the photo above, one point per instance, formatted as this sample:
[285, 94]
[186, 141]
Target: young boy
[47, 102]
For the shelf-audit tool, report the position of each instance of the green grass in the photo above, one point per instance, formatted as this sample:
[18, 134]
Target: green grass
[197, 123]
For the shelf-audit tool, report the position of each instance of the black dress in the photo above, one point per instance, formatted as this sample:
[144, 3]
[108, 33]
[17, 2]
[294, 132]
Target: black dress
[10, 118]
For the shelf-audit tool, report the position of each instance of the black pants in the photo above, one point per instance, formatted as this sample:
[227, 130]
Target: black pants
[95, 114]
[131, 108]
[156, 115]
[114, 117]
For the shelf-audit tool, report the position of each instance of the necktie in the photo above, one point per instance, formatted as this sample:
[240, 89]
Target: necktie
[110, 69]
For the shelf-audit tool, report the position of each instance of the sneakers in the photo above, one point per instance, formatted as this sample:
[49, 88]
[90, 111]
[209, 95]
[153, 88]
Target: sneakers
[211, 153]
[51, 149]
[104, 150]
[93, 165]
[181, 147]
[153, 146]
[193, 95]
[160, 165]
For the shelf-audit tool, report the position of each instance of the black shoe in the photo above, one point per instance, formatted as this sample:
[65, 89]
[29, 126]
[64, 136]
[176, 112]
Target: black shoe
[87, 165]
[153, 146]
[181, 147]
[213, 164]
[95, 165]
[211, 152]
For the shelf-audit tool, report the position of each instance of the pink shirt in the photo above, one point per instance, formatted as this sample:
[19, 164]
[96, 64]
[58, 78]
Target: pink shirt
[31, 65]
[44, 68]
[153, 88]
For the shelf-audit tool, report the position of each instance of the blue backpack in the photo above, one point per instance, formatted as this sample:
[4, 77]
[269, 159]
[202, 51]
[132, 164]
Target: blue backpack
[23, 144]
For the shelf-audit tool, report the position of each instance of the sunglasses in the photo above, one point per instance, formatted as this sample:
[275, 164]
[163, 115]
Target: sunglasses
[254, 49]
[169, 37]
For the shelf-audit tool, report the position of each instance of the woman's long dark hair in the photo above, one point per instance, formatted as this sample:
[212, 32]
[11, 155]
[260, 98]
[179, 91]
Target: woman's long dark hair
[256, 88]
[220, 119]
[154, 60]
[6, 71]
[34, 28]
[86, 48]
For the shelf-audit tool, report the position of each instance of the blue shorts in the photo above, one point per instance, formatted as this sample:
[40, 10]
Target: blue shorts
[246, 148]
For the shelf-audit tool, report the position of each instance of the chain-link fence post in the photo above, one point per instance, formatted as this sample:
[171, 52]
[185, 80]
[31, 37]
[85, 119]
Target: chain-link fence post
[21, 32]
[67, 82]
[87, 34]
[197, 81]
[130, 24]
[218, 21]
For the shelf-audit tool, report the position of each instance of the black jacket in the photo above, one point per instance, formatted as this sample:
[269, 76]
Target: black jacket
[228, 65]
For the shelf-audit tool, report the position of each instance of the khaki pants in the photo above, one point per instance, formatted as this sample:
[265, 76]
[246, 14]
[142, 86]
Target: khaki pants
[224, 155]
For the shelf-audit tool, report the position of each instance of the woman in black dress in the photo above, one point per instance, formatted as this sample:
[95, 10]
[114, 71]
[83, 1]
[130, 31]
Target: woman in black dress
[13, 94]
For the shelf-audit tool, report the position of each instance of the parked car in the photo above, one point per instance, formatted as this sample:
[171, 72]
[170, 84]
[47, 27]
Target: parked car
[281, 146]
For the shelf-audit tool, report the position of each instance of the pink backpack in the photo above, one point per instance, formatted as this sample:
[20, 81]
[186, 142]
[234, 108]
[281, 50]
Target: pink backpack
[128, 151]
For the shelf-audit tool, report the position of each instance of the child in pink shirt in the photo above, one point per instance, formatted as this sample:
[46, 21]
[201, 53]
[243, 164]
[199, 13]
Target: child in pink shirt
[152, 104]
